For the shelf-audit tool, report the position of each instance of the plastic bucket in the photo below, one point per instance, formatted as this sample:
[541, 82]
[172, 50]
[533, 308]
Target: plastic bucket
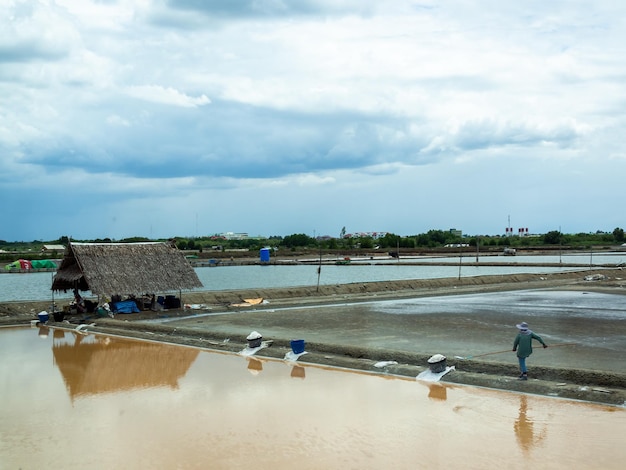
[43, 317]
[58, 316]
[297, 346]
[438, 367]
[437, 363]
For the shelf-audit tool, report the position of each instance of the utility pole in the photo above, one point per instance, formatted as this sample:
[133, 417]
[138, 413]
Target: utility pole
[560, 245]
[477, 243]
[319, 270]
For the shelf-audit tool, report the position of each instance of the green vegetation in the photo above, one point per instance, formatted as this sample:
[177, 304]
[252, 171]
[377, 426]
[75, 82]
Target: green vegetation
[433, 240]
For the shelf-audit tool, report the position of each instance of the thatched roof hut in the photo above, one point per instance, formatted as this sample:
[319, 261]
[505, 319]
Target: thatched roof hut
[124, 268]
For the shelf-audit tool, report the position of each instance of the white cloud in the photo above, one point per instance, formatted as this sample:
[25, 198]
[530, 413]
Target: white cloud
[170, 96]
[116, 120]
[315, 180]
[317, 105]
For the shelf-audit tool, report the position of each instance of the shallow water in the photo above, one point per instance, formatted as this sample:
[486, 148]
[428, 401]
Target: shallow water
[36, 286]
[74, 401]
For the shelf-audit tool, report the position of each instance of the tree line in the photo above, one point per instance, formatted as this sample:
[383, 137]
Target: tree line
[431, 240]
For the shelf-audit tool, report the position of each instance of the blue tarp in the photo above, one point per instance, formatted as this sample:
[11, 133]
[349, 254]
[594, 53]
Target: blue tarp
[126, 306]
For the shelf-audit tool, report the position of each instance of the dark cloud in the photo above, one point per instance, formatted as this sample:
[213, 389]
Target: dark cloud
[239, 8]
[490, 134]
[224, 140]
[210, 14]
[29, 51]
[267, 9]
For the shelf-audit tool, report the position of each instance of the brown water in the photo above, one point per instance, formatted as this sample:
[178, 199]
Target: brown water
[72, 401]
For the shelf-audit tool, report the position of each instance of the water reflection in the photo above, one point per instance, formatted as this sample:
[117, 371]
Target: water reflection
[298, 372]
[201, 409]
[525, 428]
[255, 366]
[94, 364]
[437, 391]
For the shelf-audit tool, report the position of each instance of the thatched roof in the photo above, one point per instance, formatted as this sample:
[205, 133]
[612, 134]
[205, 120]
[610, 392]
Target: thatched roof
[124, 268]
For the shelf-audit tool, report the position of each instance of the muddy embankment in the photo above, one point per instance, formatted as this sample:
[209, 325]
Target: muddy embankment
[591, 385]
[363, 291]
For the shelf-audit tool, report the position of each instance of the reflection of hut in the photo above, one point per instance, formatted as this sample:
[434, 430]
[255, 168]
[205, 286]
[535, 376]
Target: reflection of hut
[94, 365]
[124, 268]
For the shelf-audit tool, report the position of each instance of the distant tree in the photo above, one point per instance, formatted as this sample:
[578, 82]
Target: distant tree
[332, 244]
[135, 240]
[422, 239]
[191, 245]
[390, 240]
[181, 244]
[342, 233]
[552, 238]
[298, 240]
[618, 235]
[525, 241]
[407, 242]
[437, 237]
[366, 242]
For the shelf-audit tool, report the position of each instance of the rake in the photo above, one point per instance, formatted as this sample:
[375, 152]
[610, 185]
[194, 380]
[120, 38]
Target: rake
[509, 350]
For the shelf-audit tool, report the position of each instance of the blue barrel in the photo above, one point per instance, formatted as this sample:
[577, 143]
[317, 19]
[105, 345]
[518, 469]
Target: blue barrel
[265, 255]
[297, 346]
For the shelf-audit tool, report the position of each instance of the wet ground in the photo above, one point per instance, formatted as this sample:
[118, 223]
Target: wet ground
[585, 329]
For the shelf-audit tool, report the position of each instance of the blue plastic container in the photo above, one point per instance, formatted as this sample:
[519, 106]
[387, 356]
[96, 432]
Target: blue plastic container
[265, 255]
[297, 346]
[43, 317]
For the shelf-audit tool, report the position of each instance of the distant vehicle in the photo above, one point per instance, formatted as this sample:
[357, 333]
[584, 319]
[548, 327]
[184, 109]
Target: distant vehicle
[508, 251]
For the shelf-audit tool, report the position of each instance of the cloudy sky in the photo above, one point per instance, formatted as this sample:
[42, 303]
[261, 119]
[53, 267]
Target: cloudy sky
[159, 118]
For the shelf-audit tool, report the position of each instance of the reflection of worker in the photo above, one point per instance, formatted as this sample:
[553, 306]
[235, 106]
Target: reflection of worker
[524, 427]
[523, 346]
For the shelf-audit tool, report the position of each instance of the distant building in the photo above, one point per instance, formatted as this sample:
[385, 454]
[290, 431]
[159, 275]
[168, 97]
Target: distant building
[49, 248]
[233, 236]
[456, 233]
[374, 235]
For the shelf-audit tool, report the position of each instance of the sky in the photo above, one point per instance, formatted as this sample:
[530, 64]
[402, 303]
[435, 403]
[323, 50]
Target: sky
[161, 118]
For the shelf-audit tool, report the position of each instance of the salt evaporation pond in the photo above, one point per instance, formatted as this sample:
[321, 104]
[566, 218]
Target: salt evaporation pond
[36, 286]
[78, 401]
